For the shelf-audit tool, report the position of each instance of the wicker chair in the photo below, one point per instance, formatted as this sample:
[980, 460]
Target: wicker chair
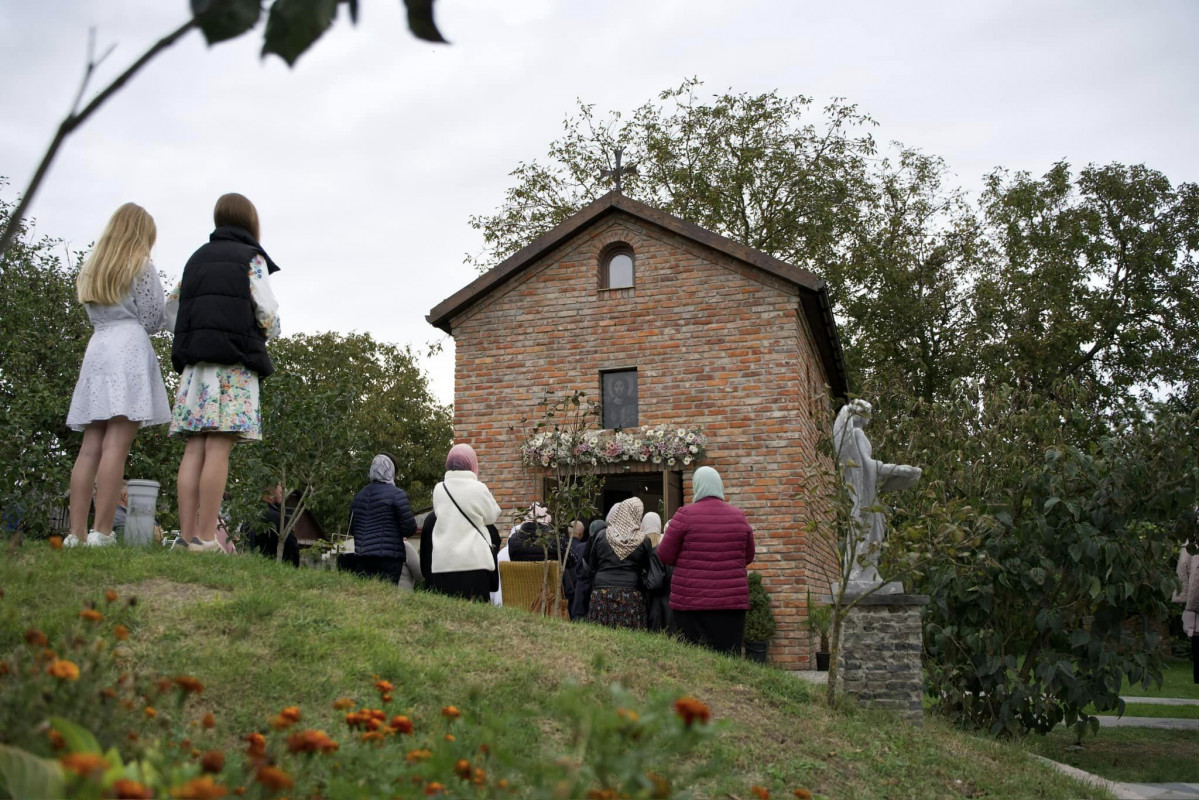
[524, 582]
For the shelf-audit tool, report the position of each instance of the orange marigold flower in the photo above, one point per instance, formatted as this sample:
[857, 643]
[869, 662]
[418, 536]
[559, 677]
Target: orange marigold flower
[151, 712]
[212, 761]
[55, 542]
[449, 737]
[627, 714]
[132, 736]
[401, 724]
[201, 788]
[691, 710]
[83, 763]
[384, 686]
[759, 792]
[372, 736]
[126, 789]
[111, 596]
[36, 638]
[108, 692]
[416, 756]
[56, 740]
[273, 778]
[661, 786]
[451, 712]
[63, 670]
[342, 703]
[375, 713]
[311, 741]
[121, 633]
[462, 769]
[291, 713]
[803, 794]
[188, 684]
[91, 615]
[257, 745]
[387, 697]
[164, 685]
[433, 787]
[208, 722]
[502, 783]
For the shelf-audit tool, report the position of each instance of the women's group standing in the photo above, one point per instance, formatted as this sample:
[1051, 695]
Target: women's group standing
[221, 313]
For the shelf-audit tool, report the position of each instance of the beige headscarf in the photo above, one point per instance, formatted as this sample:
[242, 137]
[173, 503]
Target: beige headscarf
[624, 527]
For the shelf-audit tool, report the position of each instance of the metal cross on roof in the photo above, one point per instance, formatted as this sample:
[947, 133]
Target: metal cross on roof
[618, 170]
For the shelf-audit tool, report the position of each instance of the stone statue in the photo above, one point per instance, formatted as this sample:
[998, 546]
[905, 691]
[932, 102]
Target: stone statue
[866, 477]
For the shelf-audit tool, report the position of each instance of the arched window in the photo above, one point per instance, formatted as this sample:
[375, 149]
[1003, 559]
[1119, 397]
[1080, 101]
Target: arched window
[616, 267]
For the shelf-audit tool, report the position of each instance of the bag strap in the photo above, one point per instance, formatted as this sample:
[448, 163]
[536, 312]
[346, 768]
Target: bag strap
[463, 513]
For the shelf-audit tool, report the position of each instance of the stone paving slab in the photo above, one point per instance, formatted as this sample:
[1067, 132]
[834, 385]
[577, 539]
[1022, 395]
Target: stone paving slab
[1162, 701]
[1164, 723]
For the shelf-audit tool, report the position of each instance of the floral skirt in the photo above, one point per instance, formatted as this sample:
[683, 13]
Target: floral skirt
[617, 607]
[214, 398]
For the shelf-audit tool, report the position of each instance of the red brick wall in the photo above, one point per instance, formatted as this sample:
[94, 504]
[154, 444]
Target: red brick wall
[717, 344]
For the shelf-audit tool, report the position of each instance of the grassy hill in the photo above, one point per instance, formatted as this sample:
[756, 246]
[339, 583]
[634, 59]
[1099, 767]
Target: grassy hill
[542, 694]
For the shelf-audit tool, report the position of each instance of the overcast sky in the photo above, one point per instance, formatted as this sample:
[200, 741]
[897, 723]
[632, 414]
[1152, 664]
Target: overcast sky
[366, 160]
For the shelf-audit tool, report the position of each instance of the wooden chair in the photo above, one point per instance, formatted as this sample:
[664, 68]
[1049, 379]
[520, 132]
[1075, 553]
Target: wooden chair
[524, 582]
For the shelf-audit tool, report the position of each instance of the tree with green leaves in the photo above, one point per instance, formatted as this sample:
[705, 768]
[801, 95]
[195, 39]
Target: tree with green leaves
[292, 27]
[333, 403]
[1046, 549]
[751, 167]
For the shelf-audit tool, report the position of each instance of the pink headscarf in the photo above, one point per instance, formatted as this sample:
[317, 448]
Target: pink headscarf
[461, 457]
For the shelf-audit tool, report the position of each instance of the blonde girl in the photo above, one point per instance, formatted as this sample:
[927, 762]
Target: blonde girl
[222, 313]
[120, 386]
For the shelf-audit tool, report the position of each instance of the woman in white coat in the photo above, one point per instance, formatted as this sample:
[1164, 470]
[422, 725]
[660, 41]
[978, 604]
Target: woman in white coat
[459, 540]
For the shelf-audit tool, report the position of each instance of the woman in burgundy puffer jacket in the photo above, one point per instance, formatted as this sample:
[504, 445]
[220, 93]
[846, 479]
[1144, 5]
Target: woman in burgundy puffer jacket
[710, 544]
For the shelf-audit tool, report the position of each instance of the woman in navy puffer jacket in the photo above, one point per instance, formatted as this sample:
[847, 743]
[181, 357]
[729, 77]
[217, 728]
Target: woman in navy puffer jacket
[380, 519]
[710, 545]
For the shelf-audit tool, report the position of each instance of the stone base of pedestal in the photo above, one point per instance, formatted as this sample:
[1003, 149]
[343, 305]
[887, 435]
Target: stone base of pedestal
[880, 660]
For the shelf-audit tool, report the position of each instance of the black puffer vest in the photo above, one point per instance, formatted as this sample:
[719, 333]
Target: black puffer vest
[216, 320]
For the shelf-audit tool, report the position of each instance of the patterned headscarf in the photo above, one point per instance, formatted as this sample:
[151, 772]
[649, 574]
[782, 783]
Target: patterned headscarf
[383, 470]
[462, 457]
[706, 483]
[624, 527]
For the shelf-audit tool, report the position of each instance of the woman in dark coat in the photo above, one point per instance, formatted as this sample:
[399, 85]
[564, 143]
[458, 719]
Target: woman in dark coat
[459, 540]
[617, 560]
[380, 519]
[659, 617]
[710, 544]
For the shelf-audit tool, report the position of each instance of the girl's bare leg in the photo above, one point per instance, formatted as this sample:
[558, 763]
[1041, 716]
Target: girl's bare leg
[118, 437]
[190, 468]
[217, 447]
[83, 477]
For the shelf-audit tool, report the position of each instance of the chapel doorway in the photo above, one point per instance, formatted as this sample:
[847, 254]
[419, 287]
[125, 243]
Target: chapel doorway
[660, 492]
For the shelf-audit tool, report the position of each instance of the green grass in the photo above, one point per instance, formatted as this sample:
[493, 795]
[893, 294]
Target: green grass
[1147, 710]
[261, 636]
[1178, 680]
[1135, 755]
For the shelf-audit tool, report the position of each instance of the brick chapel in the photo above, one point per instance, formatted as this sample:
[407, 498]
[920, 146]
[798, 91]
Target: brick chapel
[669, 324]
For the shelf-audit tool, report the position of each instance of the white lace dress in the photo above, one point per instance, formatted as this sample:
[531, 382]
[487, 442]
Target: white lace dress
[120, 375]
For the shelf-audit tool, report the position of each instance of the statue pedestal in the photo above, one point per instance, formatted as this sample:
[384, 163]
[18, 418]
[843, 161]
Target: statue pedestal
[881, 646]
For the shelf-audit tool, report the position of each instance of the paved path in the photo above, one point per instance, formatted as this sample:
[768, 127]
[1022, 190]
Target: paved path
[1130, 791]
[1164, 723]
[1162, 701]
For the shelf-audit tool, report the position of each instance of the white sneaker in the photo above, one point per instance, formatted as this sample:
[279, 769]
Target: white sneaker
[71, 540]
[97, 539]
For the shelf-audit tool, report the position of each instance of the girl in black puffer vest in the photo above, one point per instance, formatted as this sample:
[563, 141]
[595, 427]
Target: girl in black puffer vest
[380, 519]
[222, 313]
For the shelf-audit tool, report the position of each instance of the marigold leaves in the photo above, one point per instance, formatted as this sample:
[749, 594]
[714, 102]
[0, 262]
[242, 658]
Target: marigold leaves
[23, 774]
[78, 738]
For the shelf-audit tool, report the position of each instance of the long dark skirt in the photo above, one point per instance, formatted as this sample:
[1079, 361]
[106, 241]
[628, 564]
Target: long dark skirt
[381, 567]
[472, 584]
[722, 631]
[617, 607]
